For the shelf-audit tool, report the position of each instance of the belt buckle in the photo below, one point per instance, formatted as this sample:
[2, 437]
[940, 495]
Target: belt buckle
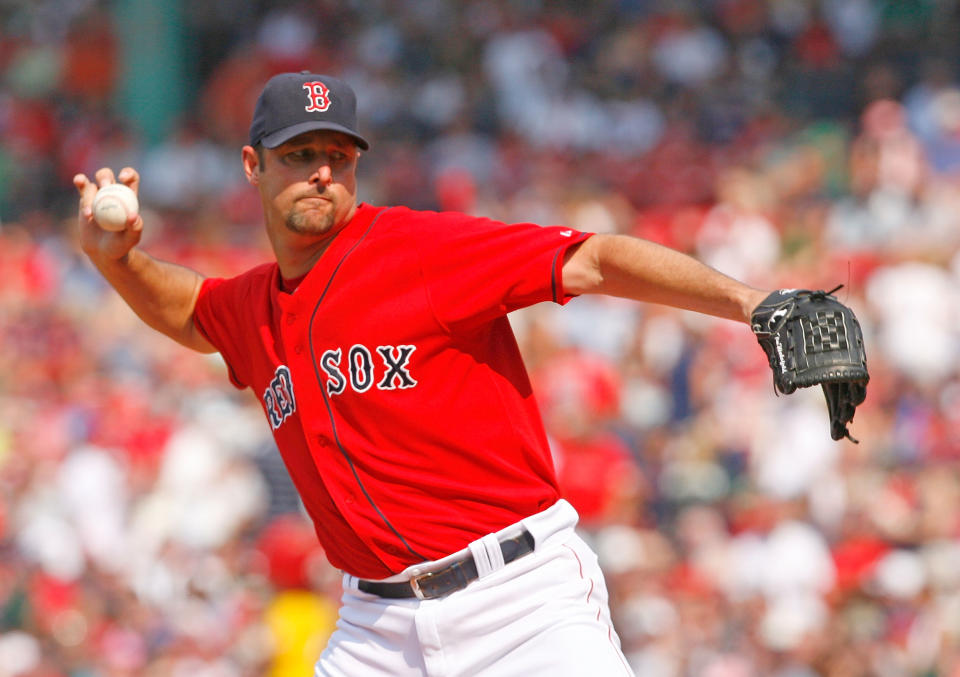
[415, 584]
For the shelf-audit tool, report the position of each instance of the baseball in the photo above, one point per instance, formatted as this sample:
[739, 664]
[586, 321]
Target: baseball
[113, 205]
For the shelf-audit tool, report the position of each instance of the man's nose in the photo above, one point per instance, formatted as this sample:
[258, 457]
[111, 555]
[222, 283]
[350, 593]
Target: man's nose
[323, 174]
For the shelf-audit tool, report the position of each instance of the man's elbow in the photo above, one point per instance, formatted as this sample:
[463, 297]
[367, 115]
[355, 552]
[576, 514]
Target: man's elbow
[189, 337]
[197, 341]
[582, 273]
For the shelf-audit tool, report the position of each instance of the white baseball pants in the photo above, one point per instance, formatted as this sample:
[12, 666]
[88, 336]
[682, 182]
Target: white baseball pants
[543, 614]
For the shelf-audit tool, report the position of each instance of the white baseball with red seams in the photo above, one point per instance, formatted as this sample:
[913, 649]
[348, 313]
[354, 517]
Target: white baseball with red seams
[114, 205]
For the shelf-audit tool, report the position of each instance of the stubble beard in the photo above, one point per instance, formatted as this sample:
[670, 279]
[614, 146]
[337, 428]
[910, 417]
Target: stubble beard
[307, 223]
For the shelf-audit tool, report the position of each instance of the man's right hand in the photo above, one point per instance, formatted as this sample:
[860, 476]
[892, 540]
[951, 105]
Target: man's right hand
[162, 294]
[104, 246]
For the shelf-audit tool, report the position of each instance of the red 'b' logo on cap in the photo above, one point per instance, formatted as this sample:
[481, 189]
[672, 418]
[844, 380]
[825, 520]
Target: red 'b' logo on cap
[318, 95]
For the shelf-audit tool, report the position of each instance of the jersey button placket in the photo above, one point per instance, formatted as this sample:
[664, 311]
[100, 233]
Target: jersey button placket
[291, 334]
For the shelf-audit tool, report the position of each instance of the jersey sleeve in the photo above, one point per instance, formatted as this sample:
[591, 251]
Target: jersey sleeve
[216, 318]
[476, 269]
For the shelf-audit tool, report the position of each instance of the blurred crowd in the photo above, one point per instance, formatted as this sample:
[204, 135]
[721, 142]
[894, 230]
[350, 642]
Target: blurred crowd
[147, 525]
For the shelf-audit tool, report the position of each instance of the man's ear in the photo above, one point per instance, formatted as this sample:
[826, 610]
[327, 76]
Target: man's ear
[251, 164]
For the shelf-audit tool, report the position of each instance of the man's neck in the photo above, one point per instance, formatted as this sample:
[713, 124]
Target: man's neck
[298, 254]
[296, 261]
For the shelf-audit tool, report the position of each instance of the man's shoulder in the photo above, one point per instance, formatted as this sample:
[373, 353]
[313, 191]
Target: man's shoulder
[258, 277]
[401, 217]
[261, 275]
[265, 271]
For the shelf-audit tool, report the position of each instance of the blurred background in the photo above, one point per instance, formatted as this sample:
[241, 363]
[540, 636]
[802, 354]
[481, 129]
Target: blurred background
[147, 525]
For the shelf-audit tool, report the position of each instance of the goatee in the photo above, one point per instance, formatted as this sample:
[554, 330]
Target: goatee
[300, 223]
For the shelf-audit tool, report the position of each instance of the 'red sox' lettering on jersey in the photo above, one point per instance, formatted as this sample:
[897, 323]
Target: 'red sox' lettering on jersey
[401, 398]
[361, 370]
[278, 399]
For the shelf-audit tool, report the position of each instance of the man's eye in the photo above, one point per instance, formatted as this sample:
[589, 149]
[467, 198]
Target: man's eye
[300, 155]
[311, 155]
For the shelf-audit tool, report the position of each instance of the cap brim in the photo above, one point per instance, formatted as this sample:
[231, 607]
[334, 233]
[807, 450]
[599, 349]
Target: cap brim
[283, 135]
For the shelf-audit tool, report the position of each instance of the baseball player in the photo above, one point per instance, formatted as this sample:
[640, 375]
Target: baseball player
[379, 346]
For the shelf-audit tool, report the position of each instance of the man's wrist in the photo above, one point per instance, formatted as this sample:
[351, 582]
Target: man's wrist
[752, 299]
[105, 263]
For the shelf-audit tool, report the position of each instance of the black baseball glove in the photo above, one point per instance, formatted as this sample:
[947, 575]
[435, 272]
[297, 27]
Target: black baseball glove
[811, 338]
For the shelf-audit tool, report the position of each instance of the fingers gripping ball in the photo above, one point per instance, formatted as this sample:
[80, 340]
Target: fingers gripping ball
[114, 205]
[810, 338]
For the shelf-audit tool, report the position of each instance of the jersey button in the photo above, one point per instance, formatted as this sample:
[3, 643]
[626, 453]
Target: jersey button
[298, 350]
[291, 318]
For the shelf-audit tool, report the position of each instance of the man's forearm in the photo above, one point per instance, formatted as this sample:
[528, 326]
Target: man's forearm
[638, 269]
[162, 294]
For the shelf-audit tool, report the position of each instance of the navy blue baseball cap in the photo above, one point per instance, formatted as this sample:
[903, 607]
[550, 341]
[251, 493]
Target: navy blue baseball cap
[294, 103]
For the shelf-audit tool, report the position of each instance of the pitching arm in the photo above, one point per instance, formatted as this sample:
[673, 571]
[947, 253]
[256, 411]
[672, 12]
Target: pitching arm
[162, 294]
[629, 267]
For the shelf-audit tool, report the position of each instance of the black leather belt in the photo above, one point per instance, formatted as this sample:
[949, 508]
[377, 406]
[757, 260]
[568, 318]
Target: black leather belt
[454, 577]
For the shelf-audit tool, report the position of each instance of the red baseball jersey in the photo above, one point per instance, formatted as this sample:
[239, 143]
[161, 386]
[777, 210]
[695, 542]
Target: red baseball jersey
[393, 382]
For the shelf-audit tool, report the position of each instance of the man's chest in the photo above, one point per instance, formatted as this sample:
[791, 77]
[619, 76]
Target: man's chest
[360, 339]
